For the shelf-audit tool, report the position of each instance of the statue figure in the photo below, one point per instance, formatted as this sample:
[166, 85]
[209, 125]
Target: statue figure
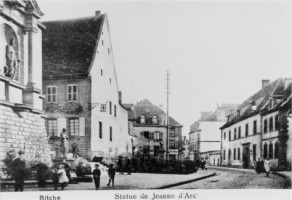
[10, 70]
[64, 142]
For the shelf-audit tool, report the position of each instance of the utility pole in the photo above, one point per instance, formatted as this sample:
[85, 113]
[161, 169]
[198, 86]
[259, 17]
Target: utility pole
[167, 115]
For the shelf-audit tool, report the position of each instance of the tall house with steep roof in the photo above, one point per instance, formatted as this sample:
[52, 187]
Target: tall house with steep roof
[81, 88]
[147, 123]
[22, 123]
[260, 128]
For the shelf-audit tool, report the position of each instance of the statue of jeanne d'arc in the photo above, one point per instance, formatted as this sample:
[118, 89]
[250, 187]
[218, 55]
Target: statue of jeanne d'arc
[10, 70]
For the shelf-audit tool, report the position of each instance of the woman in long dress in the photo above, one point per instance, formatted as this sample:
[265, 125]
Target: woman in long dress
[267, 166]
[63, 179]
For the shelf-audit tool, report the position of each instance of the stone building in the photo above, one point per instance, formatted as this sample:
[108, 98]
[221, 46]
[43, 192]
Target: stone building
[80, 83]
[22, 122]
[260, 128]
[205, 135]
[148, 123]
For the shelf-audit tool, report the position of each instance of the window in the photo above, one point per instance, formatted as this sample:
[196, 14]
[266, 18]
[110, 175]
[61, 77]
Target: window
[52, 127]
[234, 154]
[254, 152]
[255, 127]
[276, 150]
[51, 94]
[239, 132]
[271, 124]
[265, 151]
[229, 154]
[276, 122]
[151, 136]
[224, 135]
[101, 72]
[115, 110]
[271, 151]
[265, 126]
[72, 93]
[238, 154]
[171, 132]
[100, 129]
[157, 136]
[142, 119]
[110, 80]
[111, 133]
[235, 133]
[246, 130]
[229, 135]
[224, 154]
[74, 126]
[110, 107]
[171, 144]
[108, 51]
[154, 119]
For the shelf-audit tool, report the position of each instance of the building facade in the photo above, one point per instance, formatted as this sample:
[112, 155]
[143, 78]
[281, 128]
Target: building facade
[260, 128]
[205, 135]
[148, 124]
[81, 88]
[22, 122]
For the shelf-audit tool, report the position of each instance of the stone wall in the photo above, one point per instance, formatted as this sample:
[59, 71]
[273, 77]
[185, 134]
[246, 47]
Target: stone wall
[23, 131]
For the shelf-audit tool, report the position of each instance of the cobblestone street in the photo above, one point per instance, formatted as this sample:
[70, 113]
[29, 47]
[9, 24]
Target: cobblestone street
[222, 180]
[236, 180]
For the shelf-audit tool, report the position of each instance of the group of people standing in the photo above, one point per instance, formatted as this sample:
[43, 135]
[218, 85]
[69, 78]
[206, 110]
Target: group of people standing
[263, 166]
[111, 174]
[126, 167]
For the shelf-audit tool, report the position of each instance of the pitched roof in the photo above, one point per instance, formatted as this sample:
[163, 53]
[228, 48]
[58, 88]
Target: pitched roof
[69, 45]
[146, 108]
[276, 89]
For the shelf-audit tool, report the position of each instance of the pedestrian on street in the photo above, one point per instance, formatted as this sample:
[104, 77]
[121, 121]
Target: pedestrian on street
[18, 164]
[267, 166]
[55, 177]
[96, 176]
[258, 166]
[111, 175]
[203, 163]
[63, 179]
[120, 165]
[128, 166]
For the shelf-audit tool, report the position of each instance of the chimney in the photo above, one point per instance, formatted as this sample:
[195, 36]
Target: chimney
[265, 82]
[120, 97]
[287, 82]
[97, 13]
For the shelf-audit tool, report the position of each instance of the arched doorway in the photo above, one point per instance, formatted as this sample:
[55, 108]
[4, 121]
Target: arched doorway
[246, 155]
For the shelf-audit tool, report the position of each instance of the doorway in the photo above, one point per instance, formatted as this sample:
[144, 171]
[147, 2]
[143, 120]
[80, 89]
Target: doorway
[246, 155]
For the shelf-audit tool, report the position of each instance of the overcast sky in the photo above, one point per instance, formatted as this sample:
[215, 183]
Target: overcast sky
[216, 51]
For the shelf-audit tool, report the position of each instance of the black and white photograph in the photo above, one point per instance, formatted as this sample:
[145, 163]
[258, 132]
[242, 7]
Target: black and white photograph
[147, 100]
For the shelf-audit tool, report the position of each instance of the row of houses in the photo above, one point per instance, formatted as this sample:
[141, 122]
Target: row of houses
[61, 75]
[259, 128]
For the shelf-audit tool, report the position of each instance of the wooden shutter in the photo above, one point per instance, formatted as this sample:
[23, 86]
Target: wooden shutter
[62, 123]
[82, 126]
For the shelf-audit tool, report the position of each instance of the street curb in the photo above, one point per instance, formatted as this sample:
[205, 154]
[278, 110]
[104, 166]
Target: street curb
[287, 183]
[230, 168]
[185, 182]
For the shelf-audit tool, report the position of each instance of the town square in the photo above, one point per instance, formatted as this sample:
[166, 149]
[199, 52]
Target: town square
[157, 96]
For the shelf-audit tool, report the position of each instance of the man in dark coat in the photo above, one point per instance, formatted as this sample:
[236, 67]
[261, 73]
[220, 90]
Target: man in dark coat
[18, 165]
[111, 175]
[96, 176]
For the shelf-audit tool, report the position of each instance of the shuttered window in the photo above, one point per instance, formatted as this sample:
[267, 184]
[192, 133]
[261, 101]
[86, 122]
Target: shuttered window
[52, 127]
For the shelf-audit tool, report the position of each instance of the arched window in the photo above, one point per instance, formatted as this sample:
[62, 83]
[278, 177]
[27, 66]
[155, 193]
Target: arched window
[154, 119]
[276, 150]
[142, 119]
[271, 151]
[265, 151]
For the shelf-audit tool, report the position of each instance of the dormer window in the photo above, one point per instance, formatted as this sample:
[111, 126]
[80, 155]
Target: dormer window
[142, 119]
[253, 106]
[154, 119]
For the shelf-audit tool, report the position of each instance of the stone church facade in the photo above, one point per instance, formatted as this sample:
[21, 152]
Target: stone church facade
[22, 121]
